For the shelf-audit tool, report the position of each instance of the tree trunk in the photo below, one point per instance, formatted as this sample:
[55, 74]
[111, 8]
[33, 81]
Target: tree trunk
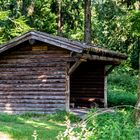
[24, 6]
[87, 32]
[59, 18]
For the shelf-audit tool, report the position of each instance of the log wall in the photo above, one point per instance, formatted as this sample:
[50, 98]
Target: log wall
[33, 79]
[87, 84]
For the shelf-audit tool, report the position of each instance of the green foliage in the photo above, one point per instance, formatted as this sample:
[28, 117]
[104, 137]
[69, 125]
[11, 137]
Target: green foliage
[11, 26]
[122, 87]
[104, 125]
[123, 80]
[118, 98]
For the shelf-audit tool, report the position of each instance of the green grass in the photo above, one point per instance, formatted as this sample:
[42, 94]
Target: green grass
[22, 127]
[122, 88]
[115, 124]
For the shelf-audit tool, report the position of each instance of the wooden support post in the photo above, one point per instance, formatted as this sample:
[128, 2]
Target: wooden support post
[109, 69]
[67, 90]
[105, 91]
[75, 65]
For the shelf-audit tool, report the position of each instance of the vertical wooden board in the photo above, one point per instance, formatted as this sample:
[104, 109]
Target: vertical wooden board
[67, 89]
[105, 90]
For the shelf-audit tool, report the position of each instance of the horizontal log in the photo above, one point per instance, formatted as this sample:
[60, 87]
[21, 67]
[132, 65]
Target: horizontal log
[49, 64]
[31, 60]
[28, 73]
[35, 97]
[37, 73]
[32, 89]
[35, 55]
[30, 101]
[20, 105]
[18, 52]
[50, 107]
[38, 81]
[23, 112]
[59, 85]
[35, 69]
[56, 93]
[32, 77]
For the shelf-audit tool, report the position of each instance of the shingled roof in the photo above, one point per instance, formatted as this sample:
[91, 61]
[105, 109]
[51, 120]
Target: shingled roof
[62, 42]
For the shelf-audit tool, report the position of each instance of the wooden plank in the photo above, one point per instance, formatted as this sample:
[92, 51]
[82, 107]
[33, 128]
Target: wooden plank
[59, 85]
[67, 90]
[38, 81]
[74, 66]
[31, 101]
[107, 71]
[31, 73]
[32, 89]
[31, 77]
[49, 107]
[31, 105]
[41, 60]
[32, 53]
[105, 92]
[101, 58]
[56, 93]
[45, 64]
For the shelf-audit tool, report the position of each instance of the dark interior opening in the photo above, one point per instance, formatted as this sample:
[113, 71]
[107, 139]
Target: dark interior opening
[87, 85]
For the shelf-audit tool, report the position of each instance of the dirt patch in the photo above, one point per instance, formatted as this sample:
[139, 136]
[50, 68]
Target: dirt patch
[4, 136]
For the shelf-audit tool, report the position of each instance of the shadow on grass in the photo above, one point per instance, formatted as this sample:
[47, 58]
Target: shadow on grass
[22, 127]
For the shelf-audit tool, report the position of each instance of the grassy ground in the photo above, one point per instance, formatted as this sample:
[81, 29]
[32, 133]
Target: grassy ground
[23, 127]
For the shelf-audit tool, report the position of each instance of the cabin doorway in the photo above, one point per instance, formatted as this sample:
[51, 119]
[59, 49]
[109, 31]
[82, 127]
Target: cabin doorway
[87, 86]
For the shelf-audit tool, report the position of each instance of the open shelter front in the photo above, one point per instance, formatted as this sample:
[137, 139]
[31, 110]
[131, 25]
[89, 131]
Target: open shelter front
[87, 85]
[42, 73]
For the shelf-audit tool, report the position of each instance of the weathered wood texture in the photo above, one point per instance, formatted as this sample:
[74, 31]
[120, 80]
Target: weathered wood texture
[33, 79]
[87, 82]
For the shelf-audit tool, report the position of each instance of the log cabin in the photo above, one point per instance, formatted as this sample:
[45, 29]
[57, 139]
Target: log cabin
[42, 73]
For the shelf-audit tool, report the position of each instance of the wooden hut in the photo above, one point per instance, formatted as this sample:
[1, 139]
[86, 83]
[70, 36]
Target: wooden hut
[42, 73]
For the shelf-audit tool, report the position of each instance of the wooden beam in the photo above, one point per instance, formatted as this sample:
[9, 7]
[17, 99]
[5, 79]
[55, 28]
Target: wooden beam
[101, 58]
[105, 91]
[75, 65]
[68, 90]
[109, 69]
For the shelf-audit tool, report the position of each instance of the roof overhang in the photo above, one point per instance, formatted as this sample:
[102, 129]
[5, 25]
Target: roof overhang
[87, 51]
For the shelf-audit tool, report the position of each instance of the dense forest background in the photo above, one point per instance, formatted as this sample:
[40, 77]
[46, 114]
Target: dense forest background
[115, 23]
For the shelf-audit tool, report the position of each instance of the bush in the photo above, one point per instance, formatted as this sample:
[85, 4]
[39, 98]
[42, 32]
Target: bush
[115, 125]
[123, 81]
[122, 88]
[119, 98]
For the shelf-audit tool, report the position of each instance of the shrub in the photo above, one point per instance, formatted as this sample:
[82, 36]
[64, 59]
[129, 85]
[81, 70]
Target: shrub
[123, 81]
[116, 98]
[115, 125]
[122, 88]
